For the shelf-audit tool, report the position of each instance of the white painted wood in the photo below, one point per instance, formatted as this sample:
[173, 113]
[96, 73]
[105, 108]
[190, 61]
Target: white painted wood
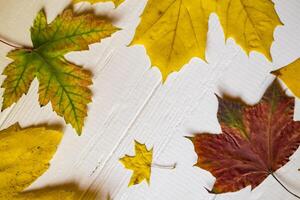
[129, 102]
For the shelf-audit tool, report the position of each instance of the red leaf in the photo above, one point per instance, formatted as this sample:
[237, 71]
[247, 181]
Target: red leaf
[255, 141]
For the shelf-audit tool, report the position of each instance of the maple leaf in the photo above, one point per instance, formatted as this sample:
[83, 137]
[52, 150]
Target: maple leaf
[250, 23]
[290, 75]
[116, 2]
[179, 28]
[61, 82]
[25, 155]
[140, 164]
[255, 141]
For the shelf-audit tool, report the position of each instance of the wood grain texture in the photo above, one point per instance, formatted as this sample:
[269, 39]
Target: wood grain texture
[129, 103]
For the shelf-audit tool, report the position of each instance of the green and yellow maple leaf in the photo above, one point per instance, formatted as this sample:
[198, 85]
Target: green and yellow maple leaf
[174, 31]
[116, 2]
[290, 75]
[25, 155]
[61, 82]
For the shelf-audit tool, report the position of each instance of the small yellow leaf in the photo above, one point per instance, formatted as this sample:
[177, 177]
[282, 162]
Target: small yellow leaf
[25, 155]
[140, 164]
[290, 75]
[116, 2]
[250, 23]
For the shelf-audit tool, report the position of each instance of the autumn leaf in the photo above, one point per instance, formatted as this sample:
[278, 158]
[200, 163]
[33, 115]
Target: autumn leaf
[290, 75]
[116, 2]
[255, 141]
[25, 155]
[140, 164]
[250, 23]
[61, 82]
[179, 28]
[176, 27]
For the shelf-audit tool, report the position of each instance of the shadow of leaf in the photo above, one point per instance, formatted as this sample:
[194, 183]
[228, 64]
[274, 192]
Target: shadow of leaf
[67, 191]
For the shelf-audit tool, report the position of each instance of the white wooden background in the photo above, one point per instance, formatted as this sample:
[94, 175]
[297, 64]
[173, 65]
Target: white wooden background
[129, 102]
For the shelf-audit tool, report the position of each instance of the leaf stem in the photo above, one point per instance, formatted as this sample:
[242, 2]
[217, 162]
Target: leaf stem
[272, 174]
[14, 45]
[164, 166]
[11, 45]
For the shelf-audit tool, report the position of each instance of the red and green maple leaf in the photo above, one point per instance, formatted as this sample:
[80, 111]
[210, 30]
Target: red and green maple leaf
[254, 143]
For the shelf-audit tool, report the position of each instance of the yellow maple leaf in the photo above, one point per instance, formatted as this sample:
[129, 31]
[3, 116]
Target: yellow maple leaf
[140, 164]
[25, 155]
[250, 23]
[116, 2]
[174, 31]
[290, 75]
